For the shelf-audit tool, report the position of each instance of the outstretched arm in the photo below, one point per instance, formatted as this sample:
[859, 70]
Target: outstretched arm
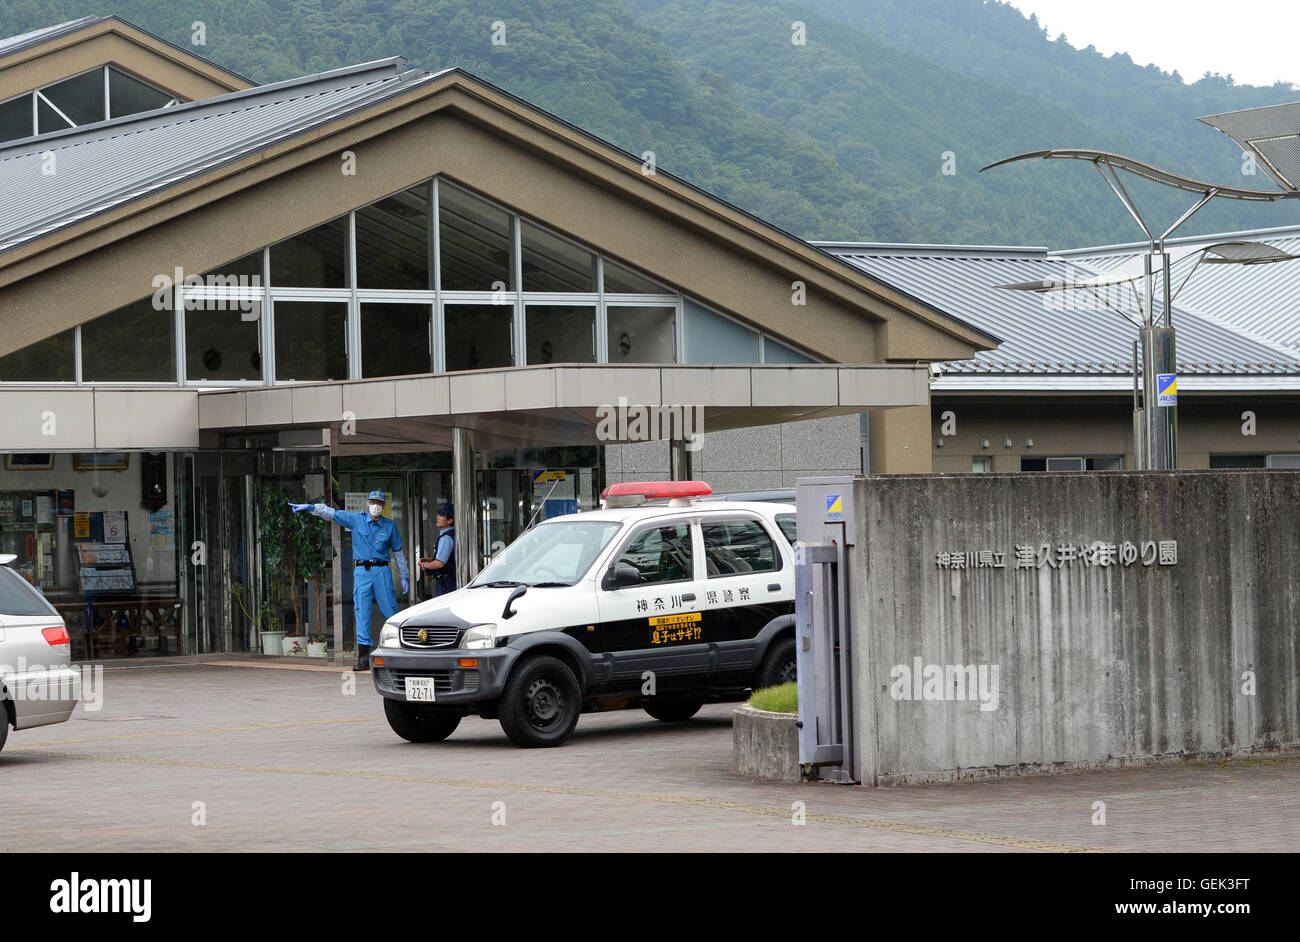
[324, 512]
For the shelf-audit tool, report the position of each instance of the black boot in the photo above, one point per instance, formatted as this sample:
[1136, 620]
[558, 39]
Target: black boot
[363, 658]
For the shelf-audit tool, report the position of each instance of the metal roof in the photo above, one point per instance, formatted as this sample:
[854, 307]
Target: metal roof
[1260, 300]
[1055, 336]
[36, 37]
[105, 165]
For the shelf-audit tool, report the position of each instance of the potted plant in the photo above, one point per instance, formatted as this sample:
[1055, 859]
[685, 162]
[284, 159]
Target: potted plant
[292, 544]
[266, 621]
[316, 645]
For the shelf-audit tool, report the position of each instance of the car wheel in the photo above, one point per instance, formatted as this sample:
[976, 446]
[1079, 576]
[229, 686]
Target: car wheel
[4, 725]
[417, 722]
[779, 667]
[674, 710]
[541, 703]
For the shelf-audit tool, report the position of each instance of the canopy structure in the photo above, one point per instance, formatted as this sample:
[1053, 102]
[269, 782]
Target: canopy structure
[1271, 134]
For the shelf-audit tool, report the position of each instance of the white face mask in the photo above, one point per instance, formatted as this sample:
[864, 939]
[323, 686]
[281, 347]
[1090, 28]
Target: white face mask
[376, 509]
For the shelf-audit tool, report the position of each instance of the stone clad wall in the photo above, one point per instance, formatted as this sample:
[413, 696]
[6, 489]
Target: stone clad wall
[1098, 660]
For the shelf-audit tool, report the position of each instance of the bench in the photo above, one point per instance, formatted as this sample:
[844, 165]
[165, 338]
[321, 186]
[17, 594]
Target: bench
[123, 624]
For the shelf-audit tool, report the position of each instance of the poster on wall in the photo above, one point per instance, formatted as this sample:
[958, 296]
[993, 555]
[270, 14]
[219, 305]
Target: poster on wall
[81, 526]
[6, 506]
[67, 501]
[162, 530]
[44, 509]
[114, 526]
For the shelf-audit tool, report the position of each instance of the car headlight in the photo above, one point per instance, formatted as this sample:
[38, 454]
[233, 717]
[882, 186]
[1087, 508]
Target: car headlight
[480, 636]
[390, 637]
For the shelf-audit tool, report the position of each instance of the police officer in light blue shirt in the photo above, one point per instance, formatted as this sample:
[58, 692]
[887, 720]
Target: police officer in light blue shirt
[443, 565]
[373, 537]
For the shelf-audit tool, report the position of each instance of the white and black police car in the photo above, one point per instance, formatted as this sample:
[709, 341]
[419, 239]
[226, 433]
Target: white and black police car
[659, 601]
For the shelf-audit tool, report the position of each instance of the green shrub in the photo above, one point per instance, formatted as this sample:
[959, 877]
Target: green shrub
[780, 699]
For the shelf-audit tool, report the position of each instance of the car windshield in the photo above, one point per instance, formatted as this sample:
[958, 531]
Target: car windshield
[550, 554]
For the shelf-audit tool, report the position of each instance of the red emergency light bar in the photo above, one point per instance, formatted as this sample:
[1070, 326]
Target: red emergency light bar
[632, 493]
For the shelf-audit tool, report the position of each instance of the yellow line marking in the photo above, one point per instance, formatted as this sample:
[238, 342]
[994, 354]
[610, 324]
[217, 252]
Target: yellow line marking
[742, 807]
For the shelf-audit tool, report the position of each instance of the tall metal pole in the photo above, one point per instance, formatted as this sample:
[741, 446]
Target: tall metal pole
[465, 505]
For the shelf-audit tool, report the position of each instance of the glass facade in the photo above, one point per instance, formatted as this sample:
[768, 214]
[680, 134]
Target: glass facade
[98, 95]
[425, 280]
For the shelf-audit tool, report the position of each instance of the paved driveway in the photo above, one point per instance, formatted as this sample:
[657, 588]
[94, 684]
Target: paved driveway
[219, 758]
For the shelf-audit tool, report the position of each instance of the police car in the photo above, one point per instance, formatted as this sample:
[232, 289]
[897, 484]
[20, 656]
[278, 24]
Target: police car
[656, 601]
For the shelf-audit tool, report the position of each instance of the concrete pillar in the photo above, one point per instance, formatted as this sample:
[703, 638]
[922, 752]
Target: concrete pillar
[679, 461]
[900, 440]
[464, 502]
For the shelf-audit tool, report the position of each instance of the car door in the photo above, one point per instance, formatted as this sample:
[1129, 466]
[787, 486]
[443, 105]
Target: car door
[655, 625]
[747, 584]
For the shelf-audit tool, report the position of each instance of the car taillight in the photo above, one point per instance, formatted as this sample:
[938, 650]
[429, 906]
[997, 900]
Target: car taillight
[57, 635]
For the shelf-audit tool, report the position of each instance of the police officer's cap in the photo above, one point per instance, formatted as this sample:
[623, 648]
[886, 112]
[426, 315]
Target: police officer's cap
[446, 511]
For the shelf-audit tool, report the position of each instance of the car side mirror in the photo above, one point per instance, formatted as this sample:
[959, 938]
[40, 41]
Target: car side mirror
[620, 577]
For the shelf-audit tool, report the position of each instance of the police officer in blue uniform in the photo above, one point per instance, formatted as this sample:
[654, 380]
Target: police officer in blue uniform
[443, 565]
[373, 537]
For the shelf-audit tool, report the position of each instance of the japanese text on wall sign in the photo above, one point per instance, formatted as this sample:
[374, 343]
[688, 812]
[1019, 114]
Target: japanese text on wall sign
[1066, 555]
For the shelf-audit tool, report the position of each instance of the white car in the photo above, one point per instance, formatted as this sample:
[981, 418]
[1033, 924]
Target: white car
[37, 687]
[662, 606]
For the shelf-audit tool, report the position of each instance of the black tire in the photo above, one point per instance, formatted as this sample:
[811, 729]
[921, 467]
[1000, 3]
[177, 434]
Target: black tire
[541, 703]
[674, 710]
[419, 722]
[4, 724]
[779, 667]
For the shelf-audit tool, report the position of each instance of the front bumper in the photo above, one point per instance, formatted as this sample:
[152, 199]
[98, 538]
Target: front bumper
[453, 684]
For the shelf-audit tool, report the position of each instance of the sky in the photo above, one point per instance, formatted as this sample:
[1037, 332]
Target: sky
[1254, 42]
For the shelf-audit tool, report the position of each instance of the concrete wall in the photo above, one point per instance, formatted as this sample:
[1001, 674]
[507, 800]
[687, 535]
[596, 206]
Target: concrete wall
[750, 459]
[1096, 664]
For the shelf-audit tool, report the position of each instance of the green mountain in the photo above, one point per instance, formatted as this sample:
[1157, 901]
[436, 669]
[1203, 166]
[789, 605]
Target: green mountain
[845, 136]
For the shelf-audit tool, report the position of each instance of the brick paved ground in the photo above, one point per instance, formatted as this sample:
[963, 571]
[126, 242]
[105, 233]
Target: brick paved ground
[283, 760]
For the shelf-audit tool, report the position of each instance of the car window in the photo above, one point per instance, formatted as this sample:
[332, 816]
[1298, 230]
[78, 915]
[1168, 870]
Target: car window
[788, 528]
[660, 554]
[17, 597]
[734, 547]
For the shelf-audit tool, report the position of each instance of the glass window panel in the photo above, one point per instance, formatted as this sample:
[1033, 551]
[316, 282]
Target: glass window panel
[1107, 463]
[777, 352]
[46, 361]
[312, 259]
[132, 344]
[1284, 461]
[311, 340]
[981, 465]
[222, 344]
[737, 546]
[129, 95]
[16, 119]
[1065, 464]
[81, 98]
[661, 554]
[393, 242]
[554, 264]
[395, 339]
[248, 267]
[642, 334]
[712, 338]
[478, 335]
[474, 240]
[1033, 464]
[561, 333]
[619, 279]
[48, 120]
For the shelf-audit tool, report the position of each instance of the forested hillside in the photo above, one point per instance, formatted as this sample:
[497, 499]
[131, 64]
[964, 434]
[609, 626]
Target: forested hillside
[845, 136]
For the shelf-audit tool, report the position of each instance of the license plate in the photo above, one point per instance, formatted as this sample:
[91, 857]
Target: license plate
[419, 688]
